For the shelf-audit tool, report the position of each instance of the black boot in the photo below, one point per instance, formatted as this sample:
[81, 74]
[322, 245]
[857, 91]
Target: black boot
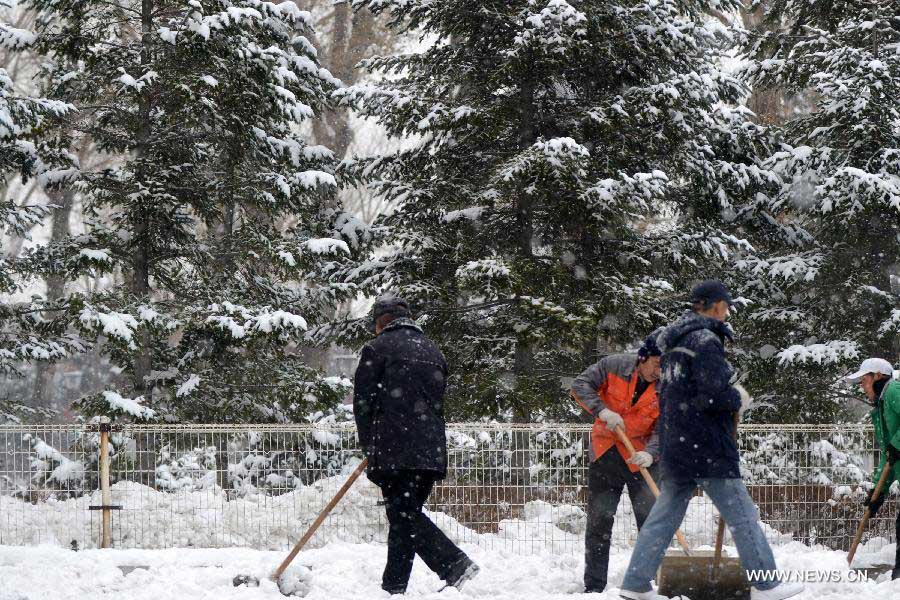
[460, 572]
[393, 591]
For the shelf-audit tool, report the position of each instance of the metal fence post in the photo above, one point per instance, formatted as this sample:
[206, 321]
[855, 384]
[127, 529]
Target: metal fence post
[104, 481]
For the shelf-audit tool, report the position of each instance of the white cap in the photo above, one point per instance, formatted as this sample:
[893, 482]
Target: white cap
[872, 365]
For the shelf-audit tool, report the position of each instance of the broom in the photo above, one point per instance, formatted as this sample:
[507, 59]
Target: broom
[868, 514]
[250, 580]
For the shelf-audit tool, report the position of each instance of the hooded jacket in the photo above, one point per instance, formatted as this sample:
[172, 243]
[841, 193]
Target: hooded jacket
[398, 401]
[697, 401]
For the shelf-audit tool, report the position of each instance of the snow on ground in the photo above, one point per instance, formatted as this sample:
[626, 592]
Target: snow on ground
[345, 571]
[535, 556]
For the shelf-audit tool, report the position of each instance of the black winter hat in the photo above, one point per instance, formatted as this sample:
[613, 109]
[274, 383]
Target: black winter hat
[709, 292]
[390, 305]
[650, 347]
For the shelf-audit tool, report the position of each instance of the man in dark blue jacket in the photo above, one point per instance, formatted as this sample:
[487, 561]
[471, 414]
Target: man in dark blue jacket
[698, 403]
[398, 403]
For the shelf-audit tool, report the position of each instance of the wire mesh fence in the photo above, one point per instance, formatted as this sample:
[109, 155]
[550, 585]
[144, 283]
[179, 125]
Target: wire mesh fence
[516, 487]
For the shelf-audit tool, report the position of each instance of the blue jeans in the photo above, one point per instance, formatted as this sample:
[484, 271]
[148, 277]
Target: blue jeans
[736, 507]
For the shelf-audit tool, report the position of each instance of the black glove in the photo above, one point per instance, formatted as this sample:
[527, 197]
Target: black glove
[893, 454]
[873, 505]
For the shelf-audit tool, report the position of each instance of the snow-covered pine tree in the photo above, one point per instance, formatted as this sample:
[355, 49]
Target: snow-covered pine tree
[839, 164]
[568, 168]
[215, 227]
[25, 153]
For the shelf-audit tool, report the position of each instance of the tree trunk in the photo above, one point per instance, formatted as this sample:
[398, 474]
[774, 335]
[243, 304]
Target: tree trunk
[140, 271]
[769, 105]
[60, 230]
[523, 363]
[140, 267]
[351, 34]
[524, 357]
[331, 128]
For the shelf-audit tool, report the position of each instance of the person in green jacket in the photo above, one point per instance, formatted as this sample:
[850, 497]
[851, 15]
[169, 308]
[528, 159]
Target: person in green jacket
[875, 377]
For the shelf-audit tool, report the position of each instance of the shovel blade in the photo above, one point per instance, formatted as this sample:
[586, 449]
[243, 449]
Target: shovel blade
[695, 577]
[873, 571]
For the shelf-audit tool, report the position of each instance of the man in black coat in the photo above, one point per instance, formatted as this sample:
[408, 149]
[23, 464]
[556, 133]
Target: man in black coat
[398, 403]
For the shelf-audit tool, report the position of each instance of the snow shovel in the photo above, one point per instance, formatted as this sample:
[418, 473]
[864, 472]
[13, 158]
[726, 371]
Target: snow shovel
[705, 574]
[250, 580]
[650, 484]
[867, 515]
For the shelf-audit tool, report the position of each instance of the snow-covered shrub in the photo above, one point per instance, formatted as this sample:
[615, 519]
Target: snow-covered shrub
[802, 458]
[545, 457]
[191, 470]
[53, 475]
[70, 466]
[809, 484]
[277, 463]
[766, 459]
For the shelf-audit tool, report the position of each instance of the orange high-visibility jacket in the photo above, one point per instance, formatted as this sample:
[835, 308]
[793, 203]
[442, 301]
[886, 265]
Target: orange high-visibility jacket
[610, 383]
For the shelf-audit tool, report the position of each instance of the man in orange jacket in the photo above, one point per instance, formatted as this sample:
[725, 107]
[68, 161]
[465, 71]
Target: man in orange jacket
[619, 391]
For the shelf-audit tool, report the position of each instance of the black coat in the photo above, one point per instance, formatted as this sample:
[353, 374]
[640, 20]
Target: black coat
[398, 401]
[697, 401]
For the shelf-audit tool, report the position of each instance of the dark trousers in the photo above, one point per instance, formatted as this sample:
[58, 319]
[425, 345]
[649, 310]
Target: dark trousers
[411, 532]
[606, 477]
[895, 574]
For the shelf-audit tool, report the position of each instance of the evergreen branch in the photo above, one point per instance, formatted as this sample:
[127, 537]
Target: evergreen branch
[471, 307]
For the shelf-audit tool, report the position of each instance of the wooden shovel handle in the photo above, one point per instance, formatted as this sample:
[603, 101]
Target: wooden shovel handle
[720, 529]
[720, 540]
[866, 515]
[312, 528]
[650, 484]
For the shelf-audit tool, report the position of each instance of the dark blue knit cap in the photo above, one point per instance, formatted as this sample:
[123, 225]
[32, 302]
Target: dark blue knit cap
[650, 347]
[709, 292]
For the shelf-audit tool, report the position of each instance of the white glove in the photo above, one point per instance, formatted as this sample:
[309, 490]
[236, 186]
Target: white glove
[746, 400]
[612, 419]
[641, 459]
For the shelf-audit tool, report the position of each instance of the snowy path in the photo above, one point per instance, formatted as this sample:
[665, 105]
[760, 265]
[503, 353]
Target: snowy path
[339, 572]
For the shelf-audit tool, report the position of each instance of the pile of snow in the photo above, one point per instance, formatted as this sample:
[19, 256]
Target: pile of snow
[198, 518]
[210, 517]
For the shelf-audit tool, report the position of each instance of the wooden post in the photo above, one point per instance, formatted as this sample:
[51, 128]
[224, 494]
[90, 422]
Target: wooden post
[104, 481]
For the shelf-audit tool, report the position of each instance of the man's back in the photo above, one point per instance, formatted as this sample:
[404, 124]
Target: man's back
[398, 403]
[697, 401]
[399, 400]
